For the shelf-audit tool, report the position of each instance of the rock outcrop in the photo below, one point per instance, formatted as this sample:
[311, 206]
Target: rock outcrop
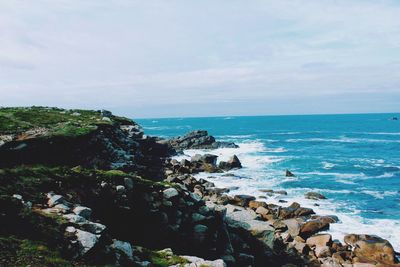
[198, 140]
[114, 197]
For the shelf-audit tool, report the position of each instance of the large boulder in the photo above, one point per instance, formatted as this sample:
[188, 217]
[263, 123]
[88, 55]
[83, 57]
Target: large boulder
[85, 212]
[195, 261]
[122, 247]
[312, 227]
[232, 163]
[371, 249]
[86, 241]
[206, 158]
[293, 226]
[293, 211]
[321, 245]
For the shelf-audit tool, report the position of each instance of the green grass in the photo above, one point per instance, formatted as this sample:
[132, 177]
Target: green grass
[162, 259]
[24, 252]
[54, 121]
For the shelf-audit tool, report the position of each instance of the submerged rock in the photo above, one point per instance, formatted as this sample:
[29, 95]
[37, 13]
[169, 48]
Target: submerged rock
[314, 195]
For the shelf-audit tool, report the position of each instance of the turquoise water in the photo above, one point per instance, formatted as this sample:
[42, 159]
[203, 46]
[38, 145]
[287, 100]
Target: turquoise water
[354, 160]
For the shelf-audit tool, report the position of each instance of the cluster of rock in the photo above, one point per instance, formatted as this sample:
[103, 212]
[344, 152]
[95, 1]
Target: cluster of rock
[201, 163]
[120, 145]
[291, 230]
[111, 217]
[199, 139]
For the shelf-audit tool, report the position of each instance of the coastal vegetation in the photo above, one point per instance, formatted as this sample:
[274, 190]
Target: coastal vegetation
[87, 188]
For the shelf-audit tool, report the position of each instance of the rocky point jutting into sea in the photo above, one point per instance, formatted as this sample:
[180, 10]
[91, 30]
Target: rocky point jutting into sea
[87, 188]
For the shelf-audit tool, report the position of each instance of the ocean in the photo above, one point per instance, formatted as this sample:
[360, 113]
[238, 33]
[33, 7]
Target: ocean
[354, 160]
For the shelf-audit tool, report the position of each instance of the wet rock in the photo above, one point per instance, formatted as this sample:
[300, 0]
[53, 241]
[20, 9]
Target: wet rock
[289, 174]
[206, 158]
[371, 249]
[314, 196]
[232, 163]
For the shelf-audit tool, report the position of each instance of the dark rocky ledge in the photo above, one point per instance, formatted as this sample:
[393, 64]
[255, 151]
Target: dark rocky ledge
[199, 139]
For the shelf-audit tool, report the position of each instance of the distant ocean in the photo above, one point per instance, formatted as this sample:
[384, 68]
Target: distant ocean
[354, 160]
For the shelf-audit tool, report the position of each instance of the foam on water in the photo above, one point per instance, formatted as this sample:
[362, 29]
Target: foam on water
[328, 165]
[352, 159]
[256, 175]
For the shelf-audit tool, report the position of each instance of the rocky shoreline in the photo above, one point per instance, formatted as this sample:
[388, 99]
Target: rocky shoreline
[112, 196]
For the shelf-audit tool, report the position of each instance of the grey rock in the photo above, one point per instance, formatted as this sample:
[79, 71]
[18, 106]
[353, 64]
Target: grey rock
[128, 183]
[86, 240]
[73, 218]
[120, 189]
[55, 200]
[170, 193]
[85, 212]
[123, 247]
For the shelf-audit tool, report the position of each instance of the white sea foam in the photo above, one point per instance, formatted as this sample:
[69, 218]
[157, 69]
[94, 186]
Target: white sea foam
[379, 194]
[328, 165]
[335, 174]
[244, 136]
[377, 133]
[255, 159]
[343, 181]
[276, 150]
[343, 140]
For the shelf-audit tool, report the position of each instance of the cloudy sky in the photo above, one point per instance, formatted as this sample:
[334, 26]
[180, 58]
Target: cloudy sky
[158, 58]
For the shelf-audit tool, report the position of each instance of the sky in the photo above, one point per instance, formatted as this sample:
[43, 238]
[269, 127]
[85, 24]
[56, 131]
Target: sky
[177, 58]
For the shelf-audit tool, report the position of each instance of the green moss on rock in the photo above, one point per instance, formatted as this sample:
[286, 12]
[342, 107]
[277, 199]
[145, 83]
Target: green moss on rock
[165, 259]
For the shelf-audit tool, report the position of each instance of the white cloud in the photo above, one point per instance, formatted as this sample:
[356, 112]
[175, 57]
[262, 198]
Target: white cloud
[148, 53]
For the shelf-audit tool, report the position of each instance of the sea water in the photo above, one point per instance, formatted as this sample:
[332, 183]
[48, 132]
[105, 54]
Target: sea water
[354, 160]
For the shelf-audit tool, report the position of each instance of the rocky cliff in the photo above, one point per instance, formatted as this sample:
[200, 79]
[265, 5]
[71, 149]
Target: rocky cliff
[87, 188]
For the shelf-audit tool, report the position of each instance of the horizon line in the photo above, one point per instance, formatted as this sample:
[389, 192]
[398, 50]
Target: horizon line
[265, 115]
